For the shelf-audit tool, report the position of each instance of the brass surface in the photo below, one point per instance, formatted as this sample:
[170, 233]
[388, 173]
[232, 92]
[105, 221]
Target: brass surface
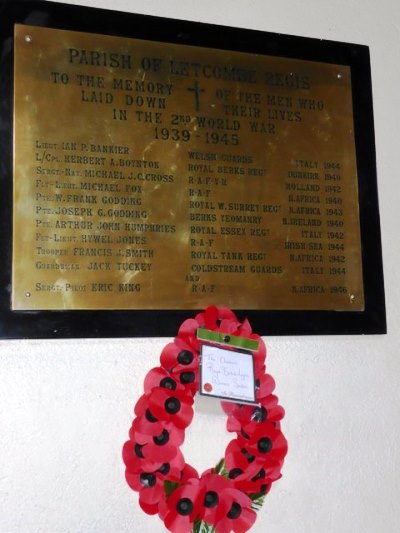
[150, 175]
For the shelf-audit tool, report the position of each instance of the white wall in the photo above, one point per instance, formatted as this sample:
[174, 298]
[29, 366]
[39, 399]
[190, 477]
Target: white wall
[66, 406]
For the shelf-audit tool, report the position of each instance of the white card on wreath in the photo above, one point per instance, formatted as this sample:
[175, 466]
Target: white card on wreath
[227, 374]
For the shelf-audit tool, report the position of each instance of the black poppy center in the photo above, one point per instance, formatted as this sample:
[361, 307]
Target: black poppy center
[235, 511]
[162, 439]
[264, 445]
[164, 469]
[184, 506]
[211, 499]
[168, 383]
[187, 377]
[260, 414]
[260, 475]
[234, 473]
[172, 405]
[244, 435]
[147, 480]
[138, 451]
[248, 455]
[185, 357]
[150, 417]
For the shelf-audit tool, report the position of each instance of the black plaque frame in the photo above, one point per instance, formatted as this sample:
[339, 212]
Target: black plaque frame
[142, 323]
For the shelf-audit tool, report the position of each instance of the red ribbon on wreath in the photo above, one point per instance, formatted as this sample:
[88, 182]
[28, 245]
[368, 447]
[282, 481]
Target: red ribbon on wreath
[224, 497]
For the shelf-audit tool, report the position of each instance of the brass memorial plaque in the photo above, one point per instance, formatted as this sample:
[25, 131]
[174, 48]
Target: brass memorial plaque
[150, 175]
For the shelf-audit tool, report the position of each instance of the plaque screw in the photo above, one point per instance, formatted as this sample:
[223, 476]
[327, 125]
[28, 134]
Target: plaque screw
[339, 76]
[27, 294]
[28, 38]
[352, 298]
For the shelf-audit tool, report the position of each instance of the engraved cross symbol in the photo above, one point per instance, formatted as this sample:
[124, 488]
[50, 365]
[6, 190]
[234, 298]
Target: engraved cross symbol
[196, 90]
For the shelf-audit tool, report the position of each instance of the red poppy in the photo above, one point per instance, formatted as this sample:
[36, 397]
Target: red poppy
[244, 330]
[249, 473]
[246, 460]
[147, 423]
[143, 426]
[208, 318]
[141, 458]
[162, 447]
[171, 406]
[150, 498]
[258, 484]
[148, 478]
[212, 487]
[267, 442]
[183, 364]
[171, 471]
[265, 385]
[269, 410]
[188, 472]
[150, 486]
[239, 461]
[219, 319]
[150, 509]
[159, 444]
[159, 377]
[189, 378]
[240, 416]
[234, 513]
[188, 333]
[152, 483]
[180, 510]
[133, 455]
[179, 353]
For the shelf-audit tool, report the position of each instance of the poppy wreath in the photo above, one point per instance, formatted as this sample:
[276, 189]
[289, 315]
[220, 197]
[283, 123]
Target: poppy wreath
[224, 498]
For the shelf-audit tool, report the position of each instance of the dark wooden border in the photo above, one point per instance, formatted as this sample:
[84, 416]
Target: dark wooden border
[66, 324]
